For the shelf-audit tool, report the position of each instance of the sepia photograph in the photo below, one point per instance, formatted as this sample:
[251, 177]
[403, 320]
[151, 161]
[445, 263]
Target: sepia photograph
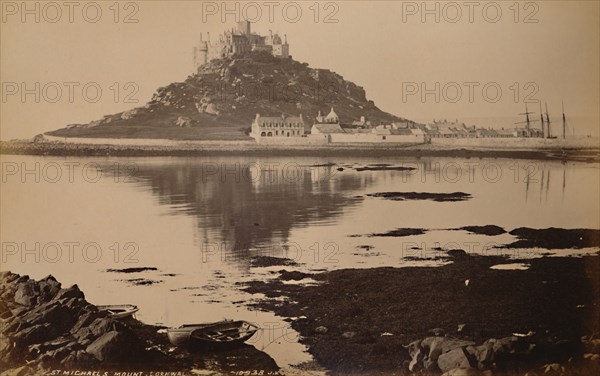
[290, 188]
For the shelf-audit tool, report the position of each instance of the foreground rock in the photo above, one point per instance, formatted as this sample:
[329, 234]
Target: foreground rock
[45, 326]
[509, 355]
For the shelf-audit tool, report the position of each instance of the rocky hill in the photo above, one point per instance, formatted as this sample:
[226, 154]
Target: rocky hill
[220, 101]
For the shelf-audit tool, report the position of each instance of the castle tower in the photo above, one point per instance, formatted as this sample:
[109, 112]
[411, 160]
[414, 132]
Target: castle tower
[200, 54]
[243, 27]
[239, 40]
[285, 48]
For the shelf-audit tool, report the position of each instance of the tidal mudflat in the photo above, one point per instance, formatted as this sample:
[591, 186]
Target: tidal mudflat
[466, 314]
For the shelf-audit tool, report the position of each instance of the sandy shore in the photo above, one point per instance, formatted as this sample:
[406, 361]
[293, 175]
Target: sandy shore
[587, 154]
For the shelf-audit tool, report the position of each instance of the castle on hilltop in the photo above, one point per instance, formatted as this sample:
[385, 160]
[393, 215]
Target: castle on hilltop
[238, 41]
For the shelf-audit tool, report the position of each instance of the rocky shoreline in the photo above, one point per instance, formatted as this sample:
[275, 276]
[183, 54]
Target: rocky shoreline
[464, 318]
[45, 328]
[252, 149]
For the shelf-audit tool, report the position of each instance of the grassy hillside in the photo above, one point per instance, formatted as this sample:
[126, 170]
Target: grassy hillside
[220, 101]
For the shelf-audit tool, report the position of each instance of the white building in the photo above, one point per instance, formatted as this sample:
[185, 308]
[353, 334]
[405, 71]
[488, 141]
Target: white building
[277, 126]
[329, 127]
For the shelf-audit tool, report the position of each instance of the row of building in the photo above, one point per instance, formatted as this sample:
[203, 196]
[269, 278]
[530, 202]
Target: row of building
[329, 129]
[446, 129]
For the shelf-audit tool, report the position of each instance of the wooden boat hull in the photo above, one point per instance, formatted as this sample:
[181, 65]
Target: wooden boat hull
[119, 311]
[212, 337]
[181, 336]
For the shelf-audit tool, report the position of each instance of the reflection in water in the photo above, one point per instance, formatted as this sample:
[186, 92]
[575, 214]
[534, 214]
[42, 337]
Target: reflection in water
[542, 184]
[547, 184]
[564, 182]
[526, 187]
[242, 207]
[247, 207]
[174, 207]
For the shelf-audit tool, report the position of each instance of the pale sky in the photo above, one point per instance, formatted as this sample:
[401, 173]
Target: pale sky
[383, 46]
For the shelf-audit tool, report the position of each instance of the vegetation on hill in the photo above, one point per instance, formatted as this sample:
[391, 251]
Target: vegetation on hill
[220, 101]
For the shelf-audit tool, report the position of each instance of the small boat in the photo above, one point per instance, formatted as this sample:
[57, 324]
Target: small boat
[212, 336]
[119, 311]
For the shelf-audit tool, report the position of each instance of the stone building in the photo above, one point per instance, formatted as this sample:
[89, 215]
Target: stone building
[330, 129]
[237, 41]
[331, 118]
[277, 126]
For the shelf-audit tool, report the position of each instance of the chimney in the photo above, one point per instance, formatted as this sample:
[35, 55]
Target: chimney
[285, 37]
[271, 33]
[283, 116]
[201, 39]
[208, 36]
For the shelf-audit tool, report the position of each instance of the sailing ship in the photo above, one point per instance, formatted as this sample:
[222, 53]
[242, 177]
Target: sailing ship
[564, 129]
[546, 124]
[528, 131]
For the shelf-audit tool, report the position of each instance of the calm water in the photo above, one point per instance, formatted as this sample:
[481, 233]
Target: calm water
[200, 220]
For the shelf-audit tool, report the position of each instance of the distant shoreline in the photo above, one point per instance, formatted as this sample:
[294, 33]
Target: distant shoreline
[249, 148]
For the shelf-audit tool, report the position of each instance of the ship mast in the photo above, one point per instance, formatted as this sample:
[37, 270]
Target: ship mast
[527, 117]
[542, 120]
[548, 120]
[564, 121]
[527, 121]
